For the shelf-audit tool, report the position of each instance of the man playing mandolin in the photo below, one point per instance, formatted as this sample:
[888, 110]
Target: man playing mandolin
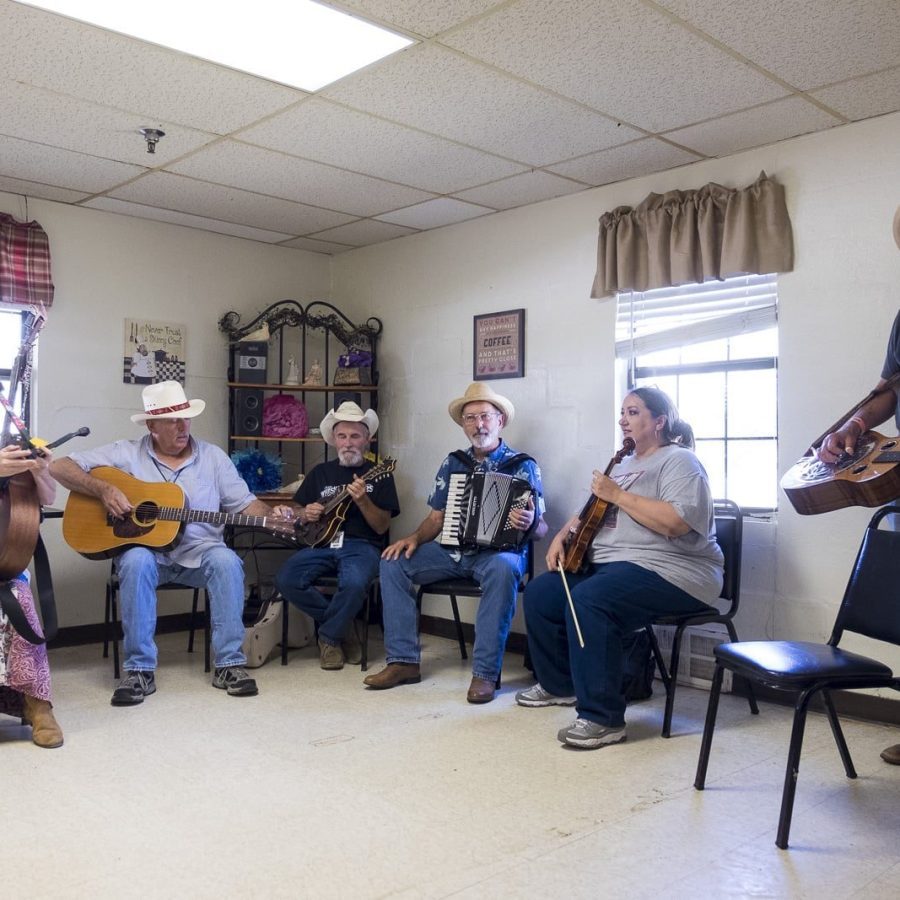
[878, 409]
[419, 559]
[654, 553]
[345, 508]
[168, 453]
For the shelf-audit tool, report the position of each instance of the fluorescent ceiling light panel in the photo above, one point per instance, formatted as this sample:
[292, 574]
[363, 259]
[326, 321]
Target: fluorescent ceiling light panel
[295, 42]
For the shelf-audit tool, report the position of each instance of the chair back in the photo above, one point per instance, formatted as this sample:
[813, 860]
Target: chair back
[871, 604]
[730, 538]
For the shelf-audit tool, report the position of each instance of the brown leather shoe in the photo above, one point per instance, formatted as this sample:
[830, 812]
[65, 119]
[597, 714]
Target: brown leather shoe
[481, 690]
[330, 656]
[45, 730]
[891, 755]
[392, 675]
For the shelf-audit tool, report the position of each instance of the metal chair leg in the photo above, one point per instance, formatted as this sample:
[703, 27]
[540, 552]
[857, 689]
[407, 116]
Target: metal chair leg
[460, 638]
[838, 733]
[792, 769]
[706, 744]
[751, 697]
[670, 684]
[284, 630]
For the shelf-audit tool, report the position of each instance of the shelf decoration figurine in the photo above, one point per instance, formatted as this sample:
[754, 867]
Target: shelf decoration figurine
[293, 376]
[314, 376]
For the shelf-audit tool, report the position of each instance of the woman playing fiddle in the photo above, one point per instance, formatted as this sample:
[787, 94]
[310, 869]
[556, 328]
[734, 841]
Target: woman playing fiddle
[24, 670]
[654, 553]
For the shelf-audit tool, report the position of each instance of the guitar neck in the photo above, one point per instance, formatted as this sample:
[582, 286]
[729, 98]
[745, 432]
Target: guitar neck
[177, 514]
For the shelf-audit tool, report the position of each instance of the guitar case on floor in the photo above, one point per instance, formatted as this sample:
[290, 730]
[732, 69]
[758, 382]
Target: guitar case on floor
[263, 637]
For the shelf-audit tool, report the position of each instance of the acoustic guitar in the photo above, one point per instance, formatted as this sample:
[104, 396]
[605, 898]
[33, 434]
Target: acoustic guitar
[317, 534]
[870, 476]
[157, 520]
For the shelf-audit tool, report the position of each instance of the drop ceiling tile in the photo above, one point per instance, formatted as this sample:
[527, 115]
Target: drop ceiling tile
[423, 17]
[333, 134]
[363, 232]
[42, 191]
[860, 98]
[121, 207]
[199, 198]
[806, 42]
[530, 187]
[36, 114]
[272, 172]
[630, 161]
[441, 92]
[754, 127]
[62, 168]
[435, 213]
[621, 57]
[317, 246]
[161, 85]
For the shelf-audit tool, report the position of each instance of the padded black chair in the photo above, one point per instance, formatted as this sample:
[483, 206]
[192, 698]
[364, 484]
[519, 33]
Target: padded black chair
[112, 628]
[871, 607]
[328, 585]
[467, 587]
[729, 536]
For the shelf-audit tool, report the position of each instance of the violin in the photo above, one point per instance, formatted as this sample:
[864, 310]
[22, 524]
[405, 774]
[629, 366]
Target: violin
[582, 534]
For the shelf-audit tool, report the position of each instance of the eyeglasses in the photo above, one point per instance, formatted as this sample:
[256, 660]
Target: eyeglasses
[472, 418]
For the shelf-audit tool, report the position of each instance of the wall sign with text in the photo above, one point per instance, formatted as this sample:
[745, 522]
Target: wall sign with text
[499, 349]
[154, 351]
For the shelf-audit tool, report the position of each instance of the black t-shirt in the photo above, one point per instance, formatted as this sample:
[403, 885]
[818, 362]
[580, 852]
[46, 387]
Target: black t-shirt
[328, 478]
[892, 363]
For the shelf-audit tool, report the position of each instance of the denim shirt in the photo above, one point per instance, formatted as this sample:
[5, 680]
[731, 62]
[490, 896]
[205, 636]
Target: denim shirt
[208, 478]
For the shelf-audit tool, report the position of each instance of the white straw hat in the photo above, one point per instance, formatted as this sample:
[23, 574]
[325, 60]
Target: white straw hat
[167, 400]
[348, 411]
[478, 392]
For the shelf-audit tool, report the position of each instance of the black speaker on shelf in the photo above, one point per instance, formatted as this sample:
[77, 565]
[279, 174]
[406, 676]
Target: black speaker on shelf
[248, 411]
[347, 397]
[251, 362]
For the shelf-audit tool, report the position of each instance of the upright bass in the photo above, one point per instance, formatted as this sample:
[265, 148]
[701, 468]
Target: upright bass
[582, 534]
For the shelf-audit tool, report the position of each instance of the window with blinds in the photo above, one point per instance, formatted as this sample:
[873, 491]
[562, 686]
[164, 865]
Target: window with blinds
[713, 348]
[10, 341]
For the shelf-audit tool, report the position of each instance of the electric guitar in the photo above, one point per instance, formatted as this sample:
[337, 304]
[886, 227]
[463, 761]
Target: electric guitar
[317, 534]
[157, 520]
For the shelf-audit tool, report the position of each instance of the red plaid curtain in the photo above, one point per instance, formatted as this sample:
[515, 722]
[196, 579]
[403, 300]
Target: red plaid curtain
[24, 263]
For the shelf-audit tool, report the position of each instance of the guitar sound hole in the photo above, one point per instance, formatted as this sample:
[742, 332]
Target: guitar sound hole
[859, 470]
[146, 513]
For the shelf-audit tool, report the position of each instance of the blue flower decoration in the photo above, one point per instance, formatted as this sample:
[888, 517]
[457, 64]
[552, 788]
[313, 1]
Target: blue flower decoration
[261, 471]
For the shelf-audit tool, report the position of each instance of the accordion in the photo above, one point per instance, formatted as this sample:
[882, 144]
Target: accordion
[478, 508]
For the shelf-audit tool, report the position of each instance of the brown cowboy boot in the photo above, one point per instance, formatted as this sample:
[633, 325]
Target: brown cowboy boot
[45, 730]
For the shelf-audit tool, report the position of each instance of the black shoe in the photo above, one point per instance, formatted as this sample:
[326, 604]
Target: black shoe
[236, 681]
[132, 689]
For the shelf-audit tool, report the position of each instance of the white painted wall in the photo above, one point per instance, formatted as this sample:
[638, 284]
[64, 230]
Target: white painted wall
[107, 268]
[836, 309]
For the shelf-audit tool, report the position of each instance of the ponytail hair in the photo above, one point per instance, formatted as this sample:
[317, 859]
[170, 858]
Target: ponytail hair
[675, 430]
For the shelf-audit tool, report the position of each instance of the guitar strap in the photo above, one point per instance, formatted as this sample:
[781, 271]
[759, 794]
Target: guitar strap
[44, 590]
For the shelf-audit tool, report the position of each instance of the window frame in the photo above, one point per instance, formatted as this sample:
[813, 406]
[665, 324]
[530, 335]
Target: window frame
[24, 411]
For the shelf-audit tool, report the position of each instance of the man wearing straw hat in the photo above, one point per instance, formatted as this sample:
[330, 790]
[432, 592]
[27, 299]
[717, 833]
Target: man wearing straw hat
[418, 559]
[355, 547]
[879, 409]
[210, 482]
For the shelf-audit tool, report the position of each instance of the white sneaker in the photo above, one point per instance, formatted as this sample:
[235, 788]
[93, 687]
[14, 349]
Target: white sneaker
[589, 735]
[537, 696]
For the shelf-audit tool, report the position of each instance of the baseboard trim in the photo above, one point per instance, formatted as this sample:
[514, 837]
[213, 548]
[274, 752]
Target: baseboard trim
[76, 635]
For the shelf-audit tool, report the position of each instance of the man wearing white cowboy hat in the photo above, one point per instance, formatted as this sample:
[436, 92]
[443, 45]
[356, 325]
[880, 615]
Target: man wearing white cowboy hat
[350, 549]
[418, 559]
[879, 409]
[210, 482]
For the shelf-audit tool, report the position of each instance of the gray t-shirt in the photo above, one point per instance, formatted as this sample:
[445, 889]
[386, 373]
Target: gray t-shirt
[693, 561]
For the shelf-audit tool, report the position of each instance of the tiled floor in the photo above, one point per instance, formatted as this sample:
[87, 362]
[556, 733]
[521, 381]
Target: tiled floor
[319, 788]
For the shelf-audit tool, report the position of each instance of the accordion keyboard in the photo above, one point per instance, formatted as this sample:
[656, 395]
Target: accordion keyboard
[453, 511]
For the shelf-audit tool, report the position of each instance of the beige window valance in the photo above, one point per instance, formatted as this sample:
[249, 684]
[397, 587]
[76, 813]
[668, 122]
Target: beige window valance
[684, 237]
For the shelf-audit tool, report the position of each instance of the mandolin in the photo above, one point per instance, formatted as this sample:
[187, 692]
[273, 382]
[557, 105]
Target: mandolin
[582, 534]
[157, 520]
[317, 534]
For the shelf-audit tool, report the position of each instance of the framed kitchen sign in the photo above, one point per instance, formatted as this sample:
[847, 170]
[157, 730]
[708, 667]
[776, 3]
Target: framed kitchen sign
[499, 348]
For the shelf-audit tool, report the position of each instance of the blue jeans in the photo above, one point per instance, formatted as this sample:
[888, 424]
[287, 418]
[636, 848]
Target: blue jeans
[221, 572]
[610, 601]
[498, 573]
[356, 565]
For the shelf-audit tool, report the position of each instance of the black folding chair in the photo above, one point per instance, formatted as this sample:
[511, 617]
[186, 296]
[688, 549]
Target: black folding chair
[871, 607]
[729, 536]
[112, 627]
[467, 587]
